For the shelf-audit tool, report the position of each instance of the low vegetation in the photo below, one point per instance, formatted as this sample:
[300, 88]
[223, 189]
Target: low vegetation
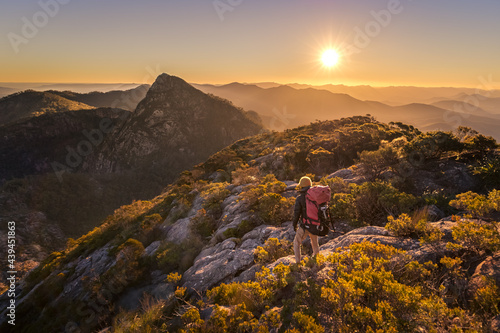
[364, 287]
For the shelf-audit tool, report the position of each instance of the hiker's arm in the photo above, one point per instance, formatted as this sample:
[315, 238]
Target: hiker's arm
[297, 212]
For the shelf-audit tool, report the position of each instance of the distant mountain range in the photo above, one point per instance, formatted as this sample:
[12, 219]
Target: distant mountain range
[123, 99]
[12, 87]
[286, 107]
[397, 95]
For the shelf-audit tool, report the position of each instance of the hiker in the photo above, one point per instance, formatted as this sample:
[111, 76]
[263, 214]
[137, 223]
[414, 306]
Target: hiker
[299, 214]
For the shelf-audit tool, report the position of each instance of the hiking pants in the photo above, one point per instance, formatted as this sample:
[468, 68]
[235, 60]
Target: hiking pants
[300, 236]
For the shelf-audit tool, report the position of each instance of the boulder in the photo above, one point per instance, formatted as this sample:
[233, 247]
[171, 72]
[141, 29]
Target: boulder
[489, 268]
[372, 234]
[151, 249]
[216, 265]
[231, 260]
[179, 231]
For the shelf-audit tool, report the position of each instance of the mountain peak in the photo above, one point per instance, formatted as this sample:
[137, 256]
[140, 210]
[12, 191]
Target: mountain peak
[167, 82]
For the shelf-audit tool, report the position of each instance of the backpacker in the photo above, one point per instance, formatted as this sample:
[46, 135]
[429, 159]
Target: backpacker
[317, 216]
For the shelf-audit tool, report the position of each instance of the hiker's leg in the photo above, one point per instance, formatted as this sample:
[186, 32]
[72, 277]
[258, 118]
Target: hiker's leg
[314, 243]
[300, 234]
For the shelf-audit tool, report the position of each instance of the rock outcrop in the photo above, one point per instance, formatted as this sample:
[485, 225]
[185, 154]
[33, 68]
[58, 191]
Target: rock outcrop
[174, 127]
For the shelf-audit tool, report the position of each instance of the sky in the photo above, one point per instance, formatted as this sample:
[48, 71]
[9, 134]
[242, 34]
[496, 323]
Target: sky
[381, 42]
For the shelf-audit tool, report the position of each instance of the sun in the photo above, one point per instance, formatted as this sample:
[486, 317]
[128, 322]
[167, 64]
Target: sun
[330, 58]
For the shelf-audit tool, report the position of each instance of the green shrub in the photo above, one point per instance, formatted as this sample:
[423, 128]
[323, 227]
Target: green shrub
[373, 163]
[370, 203]
[363, 288]
[203, 224]
[305, 323]
[174, 277]
[149, 318]
[336, 184]
[405, 226]
[213, 196]
[150, 221]
[489, 172]
[486, 298]
[431, 145]
[480, 142]
[245, 175]
[474, 203]
[321, 160]
[272, 250]
[238, 232]
[178, 257]
[477, 237]
[275, 209]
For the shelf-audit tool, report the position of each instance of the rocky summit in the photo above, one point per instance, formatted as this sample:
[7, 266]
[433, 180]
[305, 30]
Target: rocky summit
[412, 249]
[173, 126]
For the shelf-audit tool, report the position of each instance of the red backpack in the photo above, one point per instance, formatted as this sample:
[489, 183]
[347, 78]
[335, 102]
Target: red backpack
[317, 216]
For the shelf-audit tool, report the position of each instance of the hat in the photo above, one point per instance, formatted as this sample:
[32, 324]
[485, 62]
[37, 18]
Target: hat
[305, 181]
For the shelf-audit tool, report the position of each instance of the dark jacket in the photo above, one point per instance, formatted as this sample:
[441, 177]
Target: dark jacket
[299, 209]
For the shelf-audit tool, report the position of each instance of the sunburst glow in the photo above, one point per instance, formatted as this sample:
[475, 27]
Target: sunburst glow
[330, 58]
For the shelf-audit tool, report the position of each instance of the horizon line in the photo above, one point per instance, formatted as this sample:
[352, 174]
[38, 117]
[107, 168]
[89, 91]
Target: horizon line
[256, 83]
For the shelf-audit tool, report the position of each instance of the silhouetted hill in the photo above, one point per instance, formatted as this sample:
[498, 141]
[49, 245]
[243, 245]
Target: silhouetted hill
[123, 99]
[463, 107]
[489, 101]
[32, 146]
[432, 118]
[399, 95]
[31, 103]
[286, 107]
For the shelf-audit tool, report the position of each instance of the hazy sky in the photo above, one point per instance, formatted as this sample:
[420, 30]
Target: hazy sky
[390, 42]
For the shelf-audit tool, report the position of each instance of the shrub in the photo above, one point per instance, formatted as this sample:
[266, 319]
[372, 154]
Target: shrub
[405, 226]
[489, 172]
[476, 237]
[238, 232]
[431, 145]
[273, 185]
[480, 142]
[213, 196]
[321, 160]
[245, 175]
[275, 209]
[336, 184]
[148, 319]
[364, 288]
[370, 203]
[272, 250]
[305, 323]
[373, 163]
[486, 298]
[267, 201]
[174, 277]
[178, 257]
[343, 207]
[474, 203]
[203, 224]
[150, 221]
